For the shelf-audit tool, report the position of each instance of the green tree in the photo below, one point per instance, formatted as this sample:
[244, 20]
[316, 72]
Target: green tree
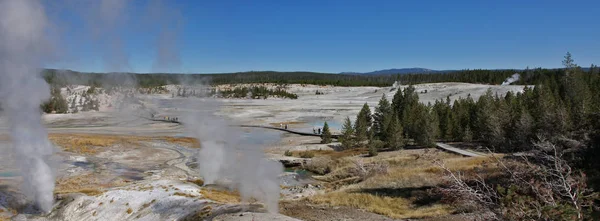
[444, 112]
[422, 125]
[363, 123]
[325, 134]
[347, 139]
[403, 102]
[395, 139]
[381, 117]
[57, 102]
[488, 125]
[568, 62]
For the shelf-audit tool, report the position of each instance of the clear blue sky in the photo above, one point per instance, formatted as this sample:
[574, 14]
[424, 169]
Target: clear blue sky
[348, 35]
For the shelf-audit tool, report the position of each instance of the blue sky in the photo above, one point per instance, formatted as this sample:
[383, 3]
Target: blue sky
[335, 36]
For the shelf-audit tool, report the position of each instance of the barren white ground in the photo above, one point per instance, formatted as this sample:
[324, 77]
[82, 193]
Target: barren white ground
[148, 198]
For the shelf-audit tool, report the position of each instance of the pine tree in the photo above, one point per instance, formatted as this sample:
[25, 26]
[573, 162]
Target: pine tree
[443, 111]
[395, 139]
[383, 112]
[347, 139]
[362, 123]
[403, 102]
[488, 124]
[468, 135]
[422, 125]
[325, 134]
[569, 63]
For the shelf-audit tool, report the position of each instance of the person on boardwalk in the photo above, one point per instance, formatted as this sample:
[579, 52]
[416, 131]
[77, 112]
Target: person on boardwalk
[319, 130]
[286, 126]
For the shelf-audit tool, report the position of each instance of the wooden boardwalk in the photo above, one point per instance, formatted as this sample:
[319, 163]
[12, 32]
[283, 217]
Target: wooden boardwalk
[452, 149]
[442, 146]
[334, 136]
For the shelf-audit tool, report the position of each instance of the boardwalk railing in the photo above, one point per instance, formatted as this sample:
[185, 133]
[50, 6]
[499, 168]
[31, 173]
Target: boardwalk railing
[334, 136]
[452, 149]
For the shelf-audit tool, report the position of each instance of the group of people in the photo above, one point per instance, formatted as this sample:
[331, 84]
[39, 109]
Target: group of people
[282, 126]
[317, 130]
[171, 118]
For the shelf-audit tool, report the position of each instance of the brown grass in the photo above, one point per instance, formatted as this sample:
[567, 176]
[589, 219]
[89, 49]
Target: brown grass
[146, 205]
[87, 184]
[394, 207]
[221, 196]
[407, 169]
[185, 141]
[90, 144]
[331, 153]
[198, 182]
[184, 194]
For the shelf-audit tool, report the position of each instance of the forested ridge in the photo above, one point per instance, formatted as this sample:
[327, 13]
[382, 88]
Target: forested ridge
[528, 77]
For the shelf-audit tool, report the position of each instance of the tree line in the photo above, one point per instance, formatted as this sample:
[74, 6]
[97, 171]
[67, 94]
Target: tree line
[557, 121]
[528, 77]
[254, 92]
[562, 104]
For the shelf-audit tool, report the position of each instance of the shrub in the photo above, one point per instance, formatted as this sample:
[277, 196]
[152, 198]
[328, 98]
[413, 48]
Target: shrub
[319, 165]
[373, 151]
[307, 154]
[288, 153]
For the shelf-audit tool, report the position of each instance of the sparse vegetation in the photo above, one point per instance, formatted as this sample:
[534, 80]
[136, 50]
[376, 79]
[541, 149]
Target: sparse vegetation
[288, 153]
[256, 92]
[222, 196]
[198, 182]
[56, 104]
[90, 144]
[306, 154]
[395, 207]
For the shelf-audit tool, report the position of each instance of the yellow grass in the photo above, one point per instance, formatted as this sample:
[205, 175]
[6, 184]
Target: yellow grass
[406, 169]
[394, 207]
[185, 141]
[90, 144]
[198, 182]
[87, 184]
[221, 196]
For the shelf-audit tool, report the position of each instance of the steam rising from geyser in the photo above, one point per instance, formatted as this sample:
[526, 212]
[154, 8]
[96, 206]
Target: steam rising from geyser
[23, 27]
[514, 78]
[224, 157]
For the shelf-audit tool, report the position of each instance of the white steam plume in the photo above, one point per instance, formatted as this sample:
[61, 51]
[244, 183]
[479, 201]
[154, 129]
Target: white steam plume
[225, 157]
[110, 15]
[514, 78]
[23, 46]
[167, 22]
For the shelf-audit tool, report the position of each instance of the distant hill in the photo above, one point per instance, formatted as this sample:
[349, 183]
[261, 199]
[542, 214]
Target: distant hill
[396, 71]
